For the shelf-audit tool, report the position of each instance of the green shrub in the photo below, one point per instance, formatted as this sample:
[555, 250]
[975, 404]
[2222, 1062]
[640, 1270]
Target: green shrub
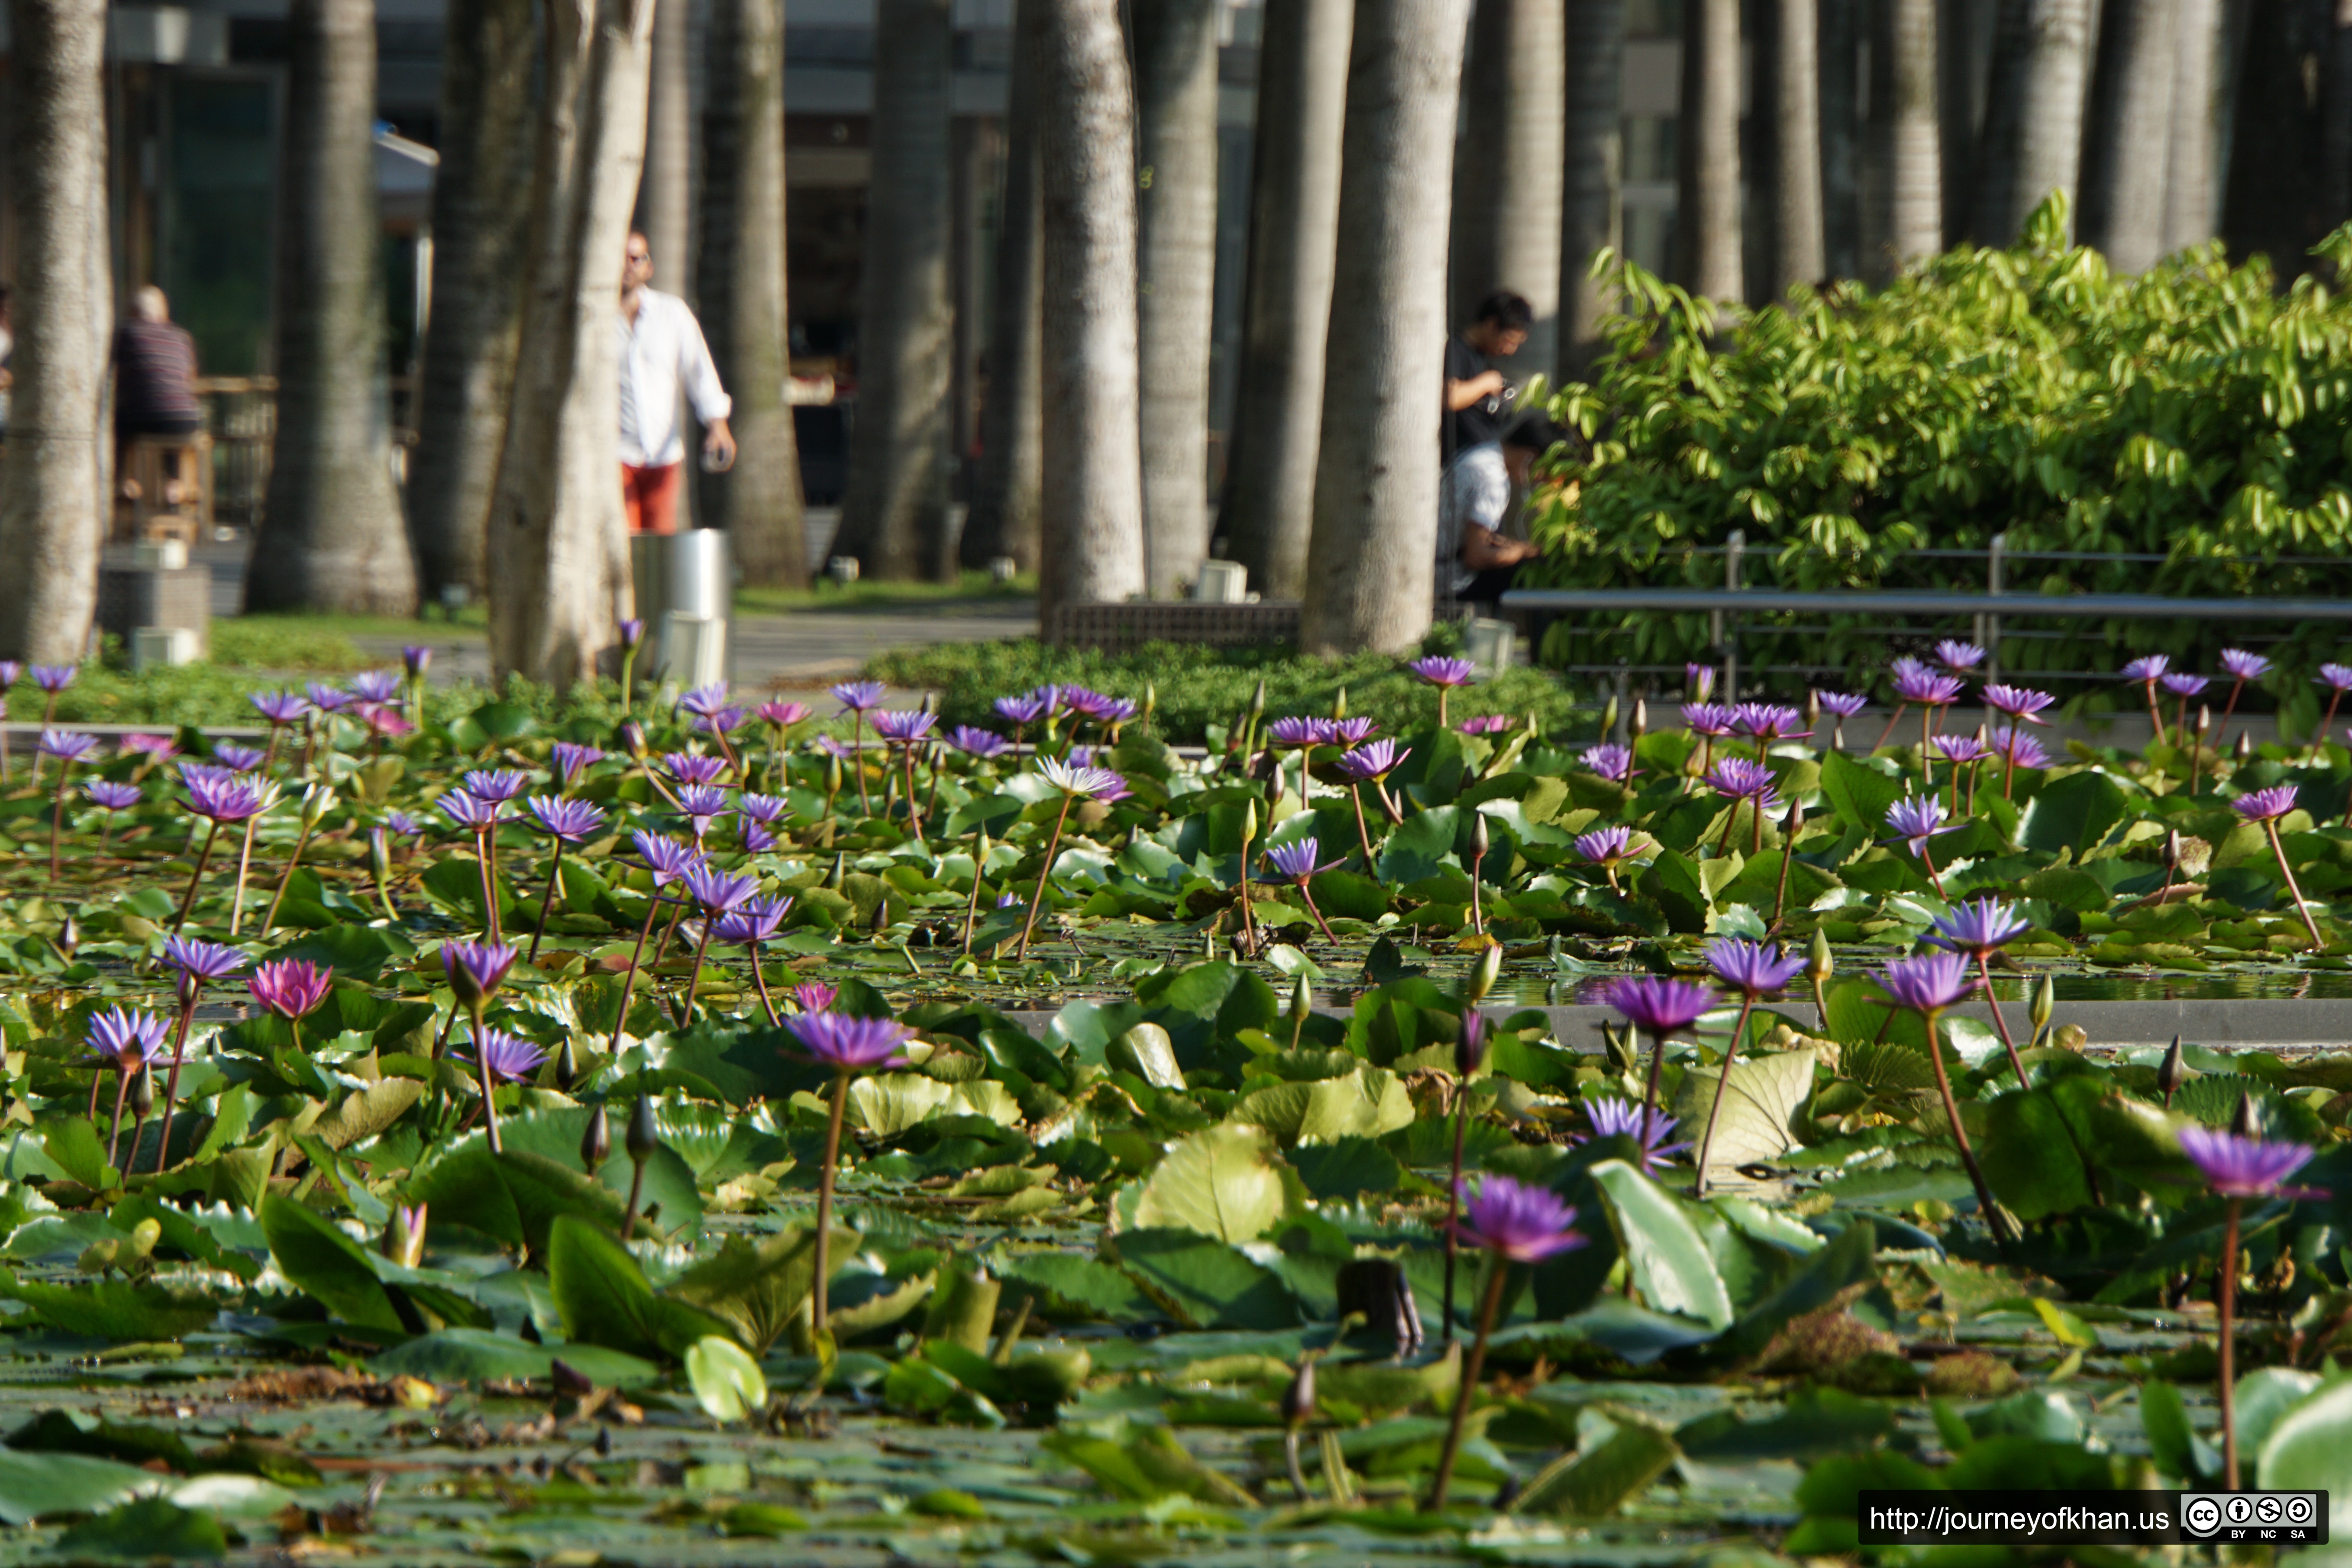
[2192, 412]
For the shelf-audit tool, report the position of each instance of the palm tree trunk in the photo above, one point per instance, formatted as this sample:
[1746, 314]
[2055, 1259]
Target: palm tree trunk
[1369, 563]
[742, 293]
[1002, 520]
[1916, 166]
[1507, 169]
[2196, 98]
[665, 200]
[51, 487]
[1707, 226]
[2130, 140]
[1841, 68]
[1797, 229]
[1594, 148]
[894, 515]
[559, 550]
[481, 209]
[1092, 488]
[1176, 213]
[1293, 246]
[332, 536]
[2033, 114]
[2269, 202]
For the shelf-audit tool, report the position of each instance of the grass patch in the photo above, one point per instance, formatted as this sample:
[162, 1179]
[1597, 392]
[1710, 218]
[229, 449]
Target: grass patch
[1196, 686]
[880, 597]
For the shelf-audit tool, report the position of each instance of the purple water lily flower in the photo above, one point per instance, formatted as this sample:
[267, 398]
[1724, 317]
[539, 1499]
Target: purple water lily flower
[1024, 710]
[664, 856]
[132, 1039]
[1295, 731]
[1709, 720]
[1958, 656]
[701, 805]
[1610, 762]
[1614, 1117]
[763, 809]
[2265, 805]
[507, 1057]
[2019, 749]
[1699, 681]
[571, 759]
[2183, 685]
[1659, 1006]
[2244, 666]
[1915, 682]
[54, 678]
[1297, 861]
[726, 721]
[1930, 982]
[1769, 722]
[196, 960]
[281, 707]
[497, 785]
[1841, 704]
[981, 743]
[2236, 1167]
[66, 745]
[1097, 784]
[851, 1044]
[1516, 1220]
[239, 758]
[1374, 761]
[752, 921]
[1755, 969]
[475, 969]
[328, 699]
[155, 748]
[416, 658]
[1440, 671]
[375, 686]
[633, 632]
[470, 812]
[687, 768]
[704, 701]
[814, 996]
[715, 890]
[401, 823]
[1916, 819]
[1605, 845]
[220, 798]
[1350, 731]
[858, 696]
[2021, 703]
[111, 797]
[2337, 677]
[2147, 670]
[1961, 748]
[903, 726]
[290, 987]
[1736, 778]
[571, 821]
[785, 715]
[1978, 926]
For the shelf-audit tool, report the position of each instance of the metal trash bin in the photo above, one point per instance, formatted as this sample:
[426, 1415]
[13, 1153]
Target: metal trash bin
[687, 578]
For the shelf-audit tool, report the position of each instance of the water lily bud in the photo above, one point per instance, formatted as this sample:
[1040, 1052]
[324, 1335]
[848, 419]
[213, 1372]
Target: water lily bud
[644, 1137]
[1249, 821]
[1608, 719]
[840, 870]
[143, 1092]
[1640, 724]
[596, 1143]
[2045, 1002]
[1258, 702]
[2245, 1123]
[317, 800]
[1150, 698]
[1470, 1045]
[1794, 820]
[1339, 703]
[403, 1235]
[379, 853]
[1298, 1399]
[833, 776]
[1480, 840]
[2245, 748]
[2173, 850]
[2171, 1072]
[1302, 994]
[1818, 962]
[567, 1065]
[68, 937]
[143, 1238]
[633, 740]
[1814, 710]
[2204, 717]
[1482, 977]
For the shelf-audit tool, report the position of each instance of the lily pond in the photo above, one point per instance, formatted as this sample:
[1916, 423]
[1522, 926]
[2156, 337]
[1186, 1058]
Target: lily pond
[738, 1135]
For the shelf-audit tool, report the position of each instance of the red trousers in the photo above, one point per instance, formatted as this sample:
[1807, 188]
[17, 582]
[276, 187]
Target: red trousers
[650, 497]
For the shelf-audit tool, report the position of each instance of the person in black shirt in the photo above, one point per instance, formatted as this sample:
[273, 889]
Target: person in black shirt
[1478, 397]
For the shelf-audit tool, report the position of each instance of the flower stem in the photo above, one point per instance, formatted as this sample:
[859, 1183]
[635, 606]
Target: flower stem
[57, 818]
[1650, 1094]
[824, 1197]
[971, 906]
[629, 981]
[1328, 934]
[1715, 1112]
[1984, 978]
[204, 856]
[482, 1071]
[270, 920]
[244, 866]
[171, 1085]
[760, 980]
[1363, 838]
[1037, 899]
[857, 754]
[1960, 1133]
[2229, 1349]
[1453, 1199]
[694, 975]
[547, 903]
[1497, 1270]
[2270, 825]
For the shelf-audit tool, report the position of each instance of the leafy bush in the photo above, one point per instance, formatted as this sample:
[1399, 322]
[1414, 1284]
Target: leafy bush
[1197, 686]
[2192, 412]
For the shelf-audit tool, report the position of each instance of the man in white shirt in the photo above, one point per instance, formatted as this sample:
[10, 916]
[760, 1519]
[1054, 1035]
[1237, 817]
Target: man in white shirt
[662, 351]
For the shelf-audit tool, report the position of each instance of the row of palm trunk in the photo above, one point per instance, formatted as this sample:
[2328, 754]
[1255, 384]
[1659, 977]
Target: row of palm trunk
[1094, 464]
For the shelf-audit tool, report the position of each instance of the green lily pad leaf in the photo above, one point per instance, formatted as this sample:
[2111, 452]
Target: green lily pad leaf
[1346, 1168]
[482, 1355]
[761, 1520]
[756, 1288]
[1147, 1051]
[1860, 792]
[1145, 1464]
[1072, 1286]
[145, 1530]
[2030, 1158]
[75, 1147]
[2177, 1450]
[1206, 1283]
[1220, 1182]
[1763, 1094]
[603, 1298]
[115, 1309]
[327, 1265]
[1671, 1265]
[725, 1382]
[2074, 813]
[75, 1432]
[40, 1486]
[2311, 1446]
[1590, 1485]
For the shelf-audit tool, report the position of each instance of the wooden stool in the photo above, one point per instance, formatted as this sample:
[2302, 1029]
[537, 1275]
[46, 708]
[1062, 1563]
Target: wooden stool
[154, 463]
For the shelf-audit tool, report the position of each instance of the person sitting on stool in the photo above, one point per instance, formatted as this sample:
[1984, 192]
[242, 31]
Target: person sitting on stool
[154, 391]
[1474, 556]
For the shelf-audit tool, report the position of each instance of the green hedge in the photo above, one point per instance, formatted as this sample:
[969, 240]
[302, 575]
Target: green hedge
[2193, 410]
